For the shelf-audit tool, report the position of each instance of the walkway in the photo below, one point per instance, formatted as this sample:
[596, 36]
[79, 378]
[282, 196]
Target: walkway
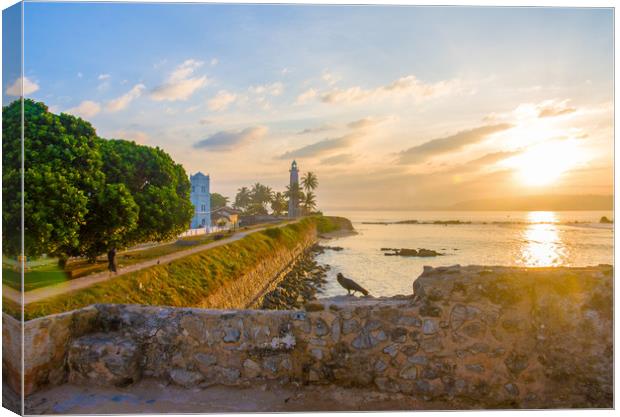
[84, 282]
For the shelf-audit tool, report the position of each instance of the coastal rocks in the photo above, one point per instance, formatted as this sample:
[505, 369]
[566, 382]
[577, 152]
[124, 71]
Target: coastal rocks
[421, 253]
[301, 284]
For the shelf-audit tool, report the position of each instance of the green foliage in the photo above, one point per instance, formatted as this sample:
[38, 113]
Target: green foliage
[279, 204]
[242, 199]
[84, 195]
[62, 168]
[218, 201]
[309, 182]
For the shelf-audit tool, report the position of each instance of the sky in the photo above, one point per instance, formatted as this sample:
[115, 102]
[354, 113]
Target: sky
[391, 107]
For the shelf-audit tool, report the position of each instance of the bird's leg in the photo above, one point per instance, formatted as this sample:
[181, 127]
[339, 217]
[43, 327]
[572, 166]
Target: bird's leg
[348, 292]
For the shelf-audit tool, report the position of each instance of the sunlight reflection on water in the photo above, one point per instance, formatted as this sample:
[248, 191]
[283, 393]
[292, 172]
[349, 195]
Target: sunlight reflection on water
[543, 245]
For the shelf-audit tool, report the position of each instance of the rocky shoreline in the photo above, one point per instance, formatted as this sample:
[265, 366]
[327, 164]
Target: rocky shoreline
[301, 284]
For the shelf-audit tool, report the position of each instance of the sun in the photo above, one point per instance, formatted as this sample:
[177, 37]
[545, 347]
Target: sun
[543, 164]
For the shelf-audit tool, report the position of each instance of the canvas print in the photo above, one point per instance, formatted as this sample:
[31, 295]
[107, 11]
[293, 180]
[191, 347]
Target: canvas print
[213, 208]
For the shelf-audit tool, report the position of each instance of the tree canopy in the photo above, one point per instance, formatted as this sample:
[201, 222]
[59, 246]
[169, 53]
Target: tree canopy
[84, 195]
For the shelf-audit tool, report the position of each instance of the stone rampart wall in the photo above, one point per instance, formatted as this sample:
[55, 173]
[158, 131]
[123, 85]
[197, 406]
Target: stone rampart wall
[476, 337]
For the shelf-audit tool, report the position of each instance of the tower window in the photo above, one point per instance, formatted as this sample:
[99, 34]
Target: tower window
[203, 208]
[193, 189]
[204, 189]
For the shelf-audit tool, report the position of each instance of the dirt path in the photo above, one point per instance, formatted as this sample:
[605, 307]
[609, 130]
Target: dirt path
[154, 397]
[84, 282]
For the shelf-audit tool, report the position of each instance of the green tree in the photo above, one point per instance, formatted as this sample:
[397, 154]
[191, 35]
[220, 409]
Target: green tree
[309, 202]
[242, 199]
[159, 187]
[309, 181]
[218, 201]
[279, 204]
[260, 196]
[62, 169]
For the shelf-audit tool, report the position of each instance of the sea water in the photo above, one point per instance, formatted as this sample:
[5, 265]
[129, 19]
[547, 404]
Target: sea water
[520, 238]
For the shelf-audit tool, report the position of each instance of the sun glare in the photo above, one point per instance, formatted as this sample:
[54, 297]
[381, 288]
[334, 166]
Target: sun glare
[544, 163]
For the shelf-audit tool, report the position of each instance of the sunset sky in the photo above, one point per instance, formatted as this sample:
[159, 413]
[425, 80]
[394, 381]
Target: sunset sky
[392, 107]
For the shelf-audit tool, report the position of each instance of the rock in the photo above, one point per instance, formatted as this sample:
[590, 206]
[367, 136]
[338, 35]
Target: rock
[386, 384]
[431, 345]
[231, 335]
[473, 330]
[391, 350]
[475, 367]
[251, 368]
[516, 362]
[321, 328]
[409, 372]
[380, 366]
[430, 327]
[185, 378]
[418, 360]
[350, 326]
[398, 334]
[512, 389]
[205, 360]
[104, 359]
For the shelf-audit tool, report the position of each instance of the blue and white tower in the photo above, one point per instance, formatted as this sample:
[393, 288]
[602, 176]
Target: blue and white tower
[201, 199]
[293, 201]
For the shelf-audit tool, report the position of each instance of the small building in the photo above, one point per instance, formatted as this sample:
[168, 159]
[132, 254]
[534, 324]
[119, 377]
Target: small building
[201, 199]
[225, 218]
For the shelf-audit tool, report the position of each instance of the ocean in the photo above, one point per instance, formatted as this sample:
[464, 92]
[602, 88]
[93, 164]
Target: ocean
[519, 238]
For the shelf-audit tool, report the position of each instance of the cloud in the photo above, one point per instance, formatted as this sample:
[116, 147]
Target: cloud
[322, 147]
[135, 135]
[85, 109]
[451, 143]
[306, 96]
[228, 140]
[342, 158]
[318, 129]
[15, 89]
[404, 86]
[552, 108]
[330, 78]
[491, 158]
[80, 75]
[181, 83]
[368, 122]
[273, 89]
[102, 77]
[221, 100]
[285, 71]
[214, 62]
[123, 101]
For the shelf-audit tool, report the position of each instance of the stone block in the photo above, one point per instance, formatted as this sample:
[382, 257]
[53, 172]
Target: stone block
[104, 359]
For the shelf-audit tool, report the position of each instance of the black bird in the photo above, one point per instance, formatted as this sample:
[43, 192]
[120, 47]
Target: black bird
[350, 285]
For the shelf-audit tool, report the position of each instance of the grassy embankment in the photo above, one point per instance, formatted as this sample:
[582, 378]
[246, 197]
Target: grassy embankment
[47, 272]
[187, 281]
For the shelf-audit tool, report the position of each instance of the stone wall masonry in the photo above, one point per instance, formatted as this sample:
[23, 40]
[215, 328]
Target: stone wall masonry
[474, 337]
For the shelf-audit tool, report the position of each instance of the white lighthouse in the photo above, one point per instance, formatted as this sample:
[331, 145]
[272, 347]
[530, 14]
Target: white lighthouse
[293, 201]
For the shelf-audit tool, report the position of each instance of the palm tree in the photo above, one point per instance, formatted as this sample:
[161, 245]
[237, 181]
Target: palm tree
[309, 181]
[309, 202]
[261, 195]
[242, 199]
[278, 204]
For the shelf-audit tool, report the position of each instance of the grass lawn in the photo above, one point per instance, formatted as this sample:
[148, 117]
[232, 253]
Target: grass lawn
[45, 272]
[40, 276]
